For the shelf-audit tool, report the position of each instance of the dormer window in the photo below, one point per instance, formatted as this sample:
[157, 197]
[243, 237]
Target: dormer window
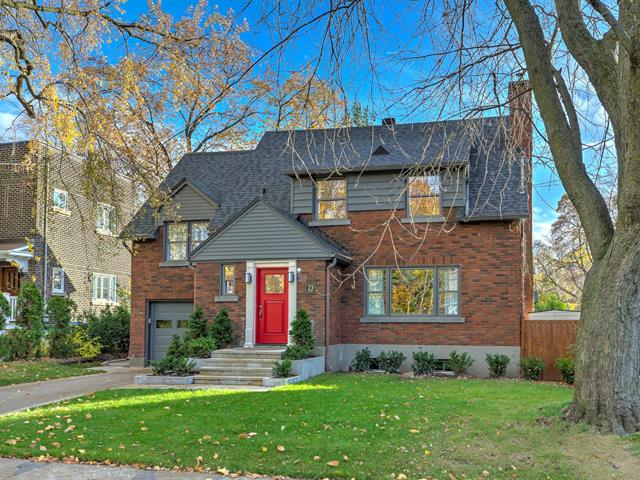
[331, 199]
[424, 196]
[182, 238]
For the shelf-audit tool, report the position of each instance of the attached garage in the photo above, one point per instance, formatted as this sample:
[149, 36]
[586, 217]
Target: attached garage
[167, 319]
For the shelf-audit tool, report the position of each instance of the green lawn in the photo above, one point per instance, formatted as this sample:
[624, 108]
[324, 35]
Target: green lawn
[12, 373]
[337, 426]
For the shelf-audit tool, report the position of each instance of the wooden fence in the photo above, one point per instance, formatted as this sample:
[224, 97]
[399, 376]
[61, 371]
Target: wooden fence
[549, 339]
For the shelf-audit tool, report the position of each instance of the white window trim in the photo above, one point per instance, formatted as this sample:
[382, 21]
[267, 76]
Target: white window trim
[99, 229]
[104, 301]
[250, 303]
[64, 209]
[53, 274]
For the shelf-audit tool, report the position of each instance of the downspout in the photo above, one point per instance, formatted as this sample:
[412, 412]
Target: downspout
[327, 308]
[45, 256]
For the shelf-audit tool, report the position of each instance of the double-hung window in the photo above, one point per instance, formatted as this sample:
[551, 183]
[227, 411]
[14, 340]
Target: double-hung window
[57, 280]
[60, 200]
[104, 288]
[412, 291]
[106, 219]
[331, 199]
[184, 237]
[424, 196]
[228, 279]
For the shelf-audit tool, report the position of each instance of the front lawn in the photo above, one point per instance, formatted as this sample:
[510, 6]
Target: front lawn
[12, 373]
[337, 426]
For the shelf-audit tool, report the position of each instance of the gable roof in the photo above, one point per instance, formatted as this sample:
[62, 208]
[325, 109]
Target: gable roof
[235, 178]
[274, 235]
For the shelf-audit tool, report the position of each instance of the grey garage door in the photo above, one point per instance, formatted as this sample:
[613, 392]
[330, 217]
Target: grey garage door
[167, 318]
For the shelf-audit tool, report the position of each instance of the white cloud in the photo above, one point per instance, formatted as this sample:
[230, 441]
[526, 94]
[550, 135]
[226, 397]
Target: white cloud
[8, 129]
[543, 219]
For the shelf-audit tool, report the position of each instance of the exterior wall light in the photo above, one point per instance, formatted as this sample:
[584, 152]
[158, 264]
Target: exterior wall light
[292, 277]
[247, 277]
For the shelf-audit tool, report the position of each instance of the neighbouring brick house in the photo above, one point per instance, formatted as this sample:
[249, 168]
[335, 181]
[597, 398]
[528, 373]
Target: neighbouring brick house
[53, 233]
[398, 236]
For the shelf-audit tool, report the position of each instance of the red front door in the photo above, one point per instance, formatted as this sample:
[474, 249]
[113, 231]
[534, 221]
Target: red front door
[272, 306]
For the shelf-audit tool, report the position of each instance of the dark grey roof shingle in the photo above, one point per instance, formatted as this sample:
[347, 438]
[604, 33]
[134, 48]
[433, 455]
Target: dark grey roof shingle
[234, 179]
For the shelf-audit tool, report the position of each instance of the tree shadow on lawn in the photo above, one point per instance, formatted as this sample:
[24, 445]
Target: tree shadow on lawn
[372, 426]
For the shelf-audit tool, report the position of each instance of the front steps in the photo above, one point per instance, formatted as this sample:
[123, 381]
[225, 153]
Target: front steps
[239, 366]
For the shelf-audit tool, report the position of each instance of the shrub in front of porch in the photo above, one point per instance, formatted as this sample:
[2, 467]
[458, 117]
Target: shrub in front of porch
[25, 341]
[222, 330]
[302, 339]
[5, 311]
[60, 311]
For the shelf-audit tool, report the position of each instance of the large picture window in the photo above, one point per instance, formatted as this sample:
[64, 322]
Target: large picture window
[184, 237]
[331, 199]
[412, 291]
[228, 279]
[424, 196]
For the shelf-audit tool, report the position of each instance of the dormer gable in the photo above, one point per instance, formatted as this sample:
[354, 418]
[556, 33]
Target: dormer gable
[188, 201]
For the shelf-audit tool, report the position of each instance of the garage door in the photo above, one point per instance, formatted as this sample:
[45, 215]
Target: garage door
[167, 319]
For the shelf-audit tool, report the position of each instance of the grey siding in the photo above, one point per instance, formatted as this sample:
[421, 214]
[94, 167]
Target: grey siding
[187, 204]
[454, 188]
[380, 191]
[260, 234]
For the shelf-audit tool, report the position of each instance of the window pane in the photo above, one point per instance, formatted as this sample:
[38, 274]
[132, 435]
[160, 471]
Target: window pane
[274, 283]
[331, 189]
[183, 323]
[449, 303]
[424, 206]
[229, 279]
[412, 291]
[163, 323]
[448, 278]
[199, 233]
[178, 251]
[425, 185]
[60, 199]
[177, 232]
[332, 209]
[376, 304]
[57, 283]
[376, 279]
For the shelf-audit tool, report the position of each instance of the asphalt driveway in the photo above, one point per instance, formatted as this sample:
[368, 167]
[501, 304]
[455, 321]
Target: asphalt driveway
[30, 395]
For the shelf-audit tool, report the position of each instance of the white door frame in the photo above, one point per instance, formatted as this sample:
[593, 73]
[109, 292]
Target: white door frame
[250, 307]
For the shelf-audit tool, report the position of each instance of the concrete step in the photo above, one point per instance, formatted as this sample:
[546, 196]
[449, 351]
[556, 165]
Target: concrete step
[236, 371]
[238, 362]
[231, 353]
[225, 380]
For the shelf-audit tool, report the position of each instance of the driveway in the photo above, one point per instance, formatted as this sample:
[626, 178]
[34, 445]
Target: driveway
[27, 470]
[29, 395]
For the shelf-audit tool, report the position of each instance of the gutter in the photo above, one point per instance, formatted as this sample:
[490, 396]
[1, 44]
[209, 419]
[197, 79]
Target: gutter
[45, 282]
[327, 308]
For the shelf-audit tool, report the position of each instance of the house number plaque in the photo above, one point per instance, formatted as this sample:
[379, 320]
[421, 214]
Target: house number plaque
[309, 288]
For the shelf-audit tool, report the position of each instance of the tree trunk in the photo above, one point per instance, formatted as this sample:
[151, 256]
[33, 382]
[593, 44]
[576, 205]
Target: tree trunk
[607, 388]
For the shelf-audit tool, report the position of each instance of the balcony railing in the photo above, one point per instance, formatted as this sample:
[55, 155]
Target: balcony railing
[13, 303]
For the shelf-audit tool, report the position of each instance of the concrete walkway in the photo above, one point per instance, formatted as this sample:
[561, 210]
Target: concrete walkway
[27, 470]
[30, 395]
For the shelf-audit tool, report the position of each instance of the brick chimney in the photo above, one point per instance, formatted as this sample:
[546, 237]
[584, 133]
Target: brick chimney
[520, 112]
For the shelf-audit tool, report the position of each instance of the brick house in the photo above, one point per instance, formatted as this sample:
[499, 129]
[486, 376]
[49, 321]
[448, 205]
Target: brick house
[396, 236]
[53, 233]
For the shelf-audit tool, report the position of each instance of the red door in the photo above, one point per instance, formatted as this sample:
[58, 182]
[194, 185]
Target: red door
[272, 306]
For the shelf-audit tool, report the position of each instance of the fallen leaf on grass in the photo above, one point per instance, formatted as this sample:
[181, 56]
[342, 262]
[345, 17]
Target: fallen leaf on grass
[413, 430]
[333, 463]
[223, 471]
[11, 441]
[280, 448]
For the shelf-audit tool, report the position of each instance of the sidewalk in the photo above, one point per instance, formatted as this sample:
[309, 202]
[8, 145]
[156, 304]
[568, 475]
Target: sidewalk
[28, 470]
[30, 395]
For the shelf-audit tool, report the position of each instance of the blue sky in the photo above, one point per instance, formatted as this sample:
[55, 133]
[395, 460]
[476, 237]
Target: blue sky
[369, 87]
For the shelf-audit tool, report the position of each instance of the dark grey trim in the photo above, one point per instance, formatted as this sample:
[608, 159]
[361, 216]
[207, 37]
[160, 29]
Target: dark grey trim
[413, 319]
[429, 219]
[185, 182]
[174, 263]
[436, 294]
[484, 218]
[329, 222]
[225, 298]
